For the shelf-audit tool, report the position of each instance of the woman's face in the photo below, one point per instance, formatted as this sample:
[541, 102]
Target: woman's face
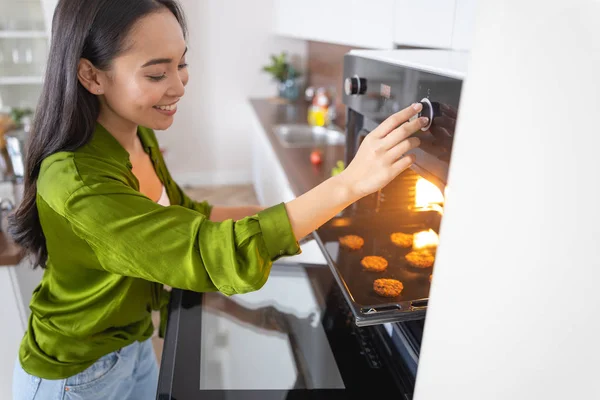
[147, 80]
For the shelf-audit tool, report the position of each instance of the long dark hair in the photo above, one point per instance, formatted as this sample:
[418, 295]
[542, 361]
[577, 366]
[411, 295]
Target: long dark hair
[66, 114]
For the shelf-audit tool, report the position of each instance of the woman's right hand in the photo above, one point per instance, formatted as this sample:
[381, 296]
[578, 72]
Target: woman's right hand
[379, 159]
[381, 156]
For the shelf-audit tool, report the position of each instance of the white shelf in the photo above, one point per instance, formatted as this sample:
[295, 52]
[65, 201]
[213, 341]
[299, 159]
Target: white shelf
[22, 34]
[21, 80]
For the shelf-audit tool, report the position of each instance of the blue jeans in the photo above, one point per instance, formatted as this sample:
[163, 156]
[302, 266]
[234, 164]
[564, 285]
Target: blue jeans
[128, 374]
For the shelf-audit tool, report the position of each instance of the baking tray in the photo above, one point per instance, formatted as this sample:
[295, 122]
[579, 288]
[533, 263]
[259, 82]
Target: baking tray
[356, 283]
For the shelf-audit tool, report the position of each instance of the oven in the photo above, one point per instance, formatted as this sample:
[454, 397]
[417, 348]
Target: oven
[320, 331]
[377, 85]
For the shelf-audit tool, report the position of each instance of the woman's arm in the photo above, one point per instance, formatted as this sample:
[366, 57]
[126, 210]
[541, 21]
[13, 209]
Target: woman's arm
[379, 159]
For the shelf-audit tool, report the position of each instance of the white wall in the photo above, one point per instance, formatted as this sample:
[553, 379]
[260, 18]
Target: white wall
[514, 306]
[229, 42]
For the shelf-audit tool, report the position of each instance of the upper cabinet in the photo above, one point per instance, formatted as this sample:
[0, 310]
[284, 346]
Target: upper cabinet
[382, 24]
[464, 24]
[359, 23]
[24, 45]
[424, 23]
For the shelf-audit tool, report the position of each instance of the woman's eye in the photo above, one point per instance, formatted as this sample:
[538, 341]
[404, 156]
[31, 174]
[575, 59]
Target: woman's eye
[182, 66]
[157, 78]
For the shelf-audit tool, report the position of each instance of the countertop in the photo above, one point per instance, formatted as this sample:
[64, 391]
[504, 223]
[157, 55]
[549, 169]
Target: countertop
[10, 252]
[301, 173]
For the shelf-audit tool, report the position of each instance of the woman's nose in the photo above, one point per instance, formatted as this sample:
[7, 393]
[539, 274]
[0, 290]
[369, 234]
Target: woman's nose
[177, 87]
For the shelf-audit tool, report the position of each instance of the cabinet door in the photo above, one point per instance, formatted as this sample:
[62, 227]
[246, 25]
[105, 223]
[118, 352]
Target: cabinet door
[359, 23]
[269, 179]
[424, 23]
[464, 24]
[13, 328]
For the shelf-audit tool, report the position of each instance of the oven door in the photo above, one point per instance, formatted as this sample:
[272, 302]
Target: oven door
[293, 339]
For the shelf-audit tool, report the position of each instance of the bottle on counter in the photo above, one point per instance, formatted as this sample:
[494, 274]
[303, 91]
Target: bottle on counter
[322, 109]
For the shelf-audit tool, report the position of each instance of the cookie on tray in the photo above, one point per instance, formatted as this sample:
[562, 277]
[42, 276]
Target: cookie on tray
[400, 239]
[353, 242]
[420, 259]
[387, 287]
[374, 263]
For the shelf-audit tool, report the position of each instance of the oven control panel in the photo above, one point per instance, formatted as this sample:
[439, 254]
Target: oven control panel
[355, 85]
[374, 90]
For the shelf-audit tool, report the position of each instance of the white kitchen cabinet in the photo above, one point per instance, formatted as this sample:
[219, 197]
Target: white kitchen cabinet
[16, 287]
[424, 23]
[24, 44]
[270, 182]
[12, 331]
[464, 24]
[359, 23]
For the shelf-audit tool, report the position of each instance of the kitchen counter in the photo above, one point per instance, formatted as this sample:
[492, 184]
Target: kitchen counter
[10, 252]
[301, 173]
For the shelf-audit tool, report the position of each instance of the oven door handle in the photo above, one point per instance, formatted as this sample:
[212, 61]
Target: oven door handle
[419, 305]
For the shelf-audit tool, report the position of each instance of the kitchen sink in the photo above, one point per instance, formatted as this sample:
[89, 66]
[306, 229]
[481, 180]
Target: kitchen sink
[304, 135]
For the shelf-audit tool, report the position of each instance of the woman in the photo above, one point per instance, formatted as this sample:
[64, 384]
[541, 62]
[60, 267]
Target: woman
[103, 216]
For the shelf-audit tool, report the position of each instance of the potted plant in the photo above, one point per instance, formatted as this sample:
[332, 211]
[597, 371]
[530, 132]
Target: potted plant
[286, 76]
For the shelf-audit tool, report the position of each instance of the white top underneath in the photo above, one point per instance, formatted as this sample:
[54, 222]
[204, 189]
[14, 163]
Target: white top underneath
[164, 199]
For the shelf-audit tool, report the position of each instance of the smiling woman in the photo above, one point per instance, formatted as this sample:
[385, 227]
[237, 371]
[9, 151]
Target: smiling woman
[103, 215]
[145, 81]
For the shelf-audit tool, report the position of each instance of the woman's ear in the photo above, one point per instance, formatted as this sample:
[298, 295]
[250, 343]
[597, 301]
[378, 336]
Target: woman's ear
[89, 77]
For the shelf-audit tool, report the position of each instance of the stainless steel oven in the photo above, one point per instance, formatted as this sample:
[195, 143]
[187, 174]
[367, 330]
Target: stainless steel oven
[320, 331]
[378, 84]
[401, 222]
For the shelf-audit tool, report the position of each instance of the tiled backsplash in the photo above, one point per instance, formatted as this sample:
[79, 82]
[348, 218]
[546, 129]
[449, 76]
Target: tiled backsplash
[326, 68]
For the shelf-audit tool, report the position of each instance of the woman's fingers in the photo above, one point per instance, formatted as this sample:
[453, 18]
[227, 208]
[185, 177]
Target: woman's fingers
[401, 133]
[403, 164]
[402, 148]
[397, 119]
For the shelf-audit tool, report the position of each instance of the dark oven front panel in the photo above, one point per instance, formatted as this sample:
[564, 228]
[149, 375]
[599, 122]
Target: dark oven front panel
[293, 339]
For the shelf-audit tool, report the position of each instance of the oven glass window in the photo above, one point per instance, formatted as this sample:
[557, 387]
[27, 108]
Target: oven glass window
[276, 330]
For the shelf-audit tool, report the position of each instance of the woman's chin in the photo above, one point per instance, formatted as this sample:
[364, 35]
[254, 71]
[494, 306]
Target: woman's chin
[161, 125]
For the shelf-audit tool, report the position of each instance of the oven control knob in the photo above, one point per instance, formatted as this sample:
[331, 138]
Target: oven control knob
[355, 85]
[430, 110]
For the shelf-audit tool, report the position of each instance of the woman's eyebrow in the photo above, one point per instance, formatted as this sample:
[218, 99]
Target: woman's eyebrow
[156, 61]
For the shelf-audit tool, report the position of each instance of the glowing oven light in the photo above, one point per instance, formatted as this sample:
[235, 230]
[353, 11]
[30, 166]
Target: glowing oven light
[426, 240]
[428, 196]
